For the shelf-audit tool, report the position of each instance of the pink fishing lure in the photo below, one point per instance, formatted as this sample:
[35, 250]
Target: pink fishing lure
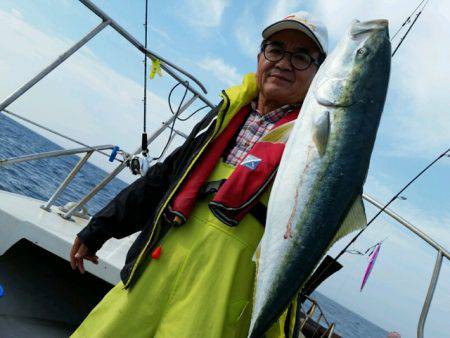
[369, 268]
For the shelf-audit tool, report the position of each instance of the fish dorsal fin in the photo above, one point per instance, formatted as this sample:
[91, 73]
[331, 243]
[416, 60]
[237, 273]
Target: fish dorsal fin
[279, 134]
[321, 132]
[355, 219]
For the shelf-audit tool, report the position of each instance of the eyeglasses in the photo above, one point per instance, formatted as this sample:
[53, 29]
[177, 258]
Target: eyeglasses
[273, 52]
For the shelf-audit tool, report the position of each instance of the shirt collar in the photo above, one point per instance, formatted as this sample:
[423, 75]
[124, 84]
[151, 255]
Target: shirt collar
[275, 114]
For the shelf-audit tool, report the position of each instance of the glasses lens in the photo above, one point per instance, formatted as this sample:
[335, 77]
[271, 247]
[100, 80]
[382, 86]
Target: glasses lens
[301, 60]
[273, 53]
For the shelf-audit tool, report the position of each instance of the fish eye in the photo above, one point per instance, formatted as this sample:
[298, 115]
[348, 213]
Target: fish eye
[362, 51]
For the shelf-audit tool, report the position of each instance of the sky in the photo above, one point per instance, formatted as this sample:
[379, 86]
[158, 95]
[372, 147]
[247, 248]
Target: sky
[96, 97]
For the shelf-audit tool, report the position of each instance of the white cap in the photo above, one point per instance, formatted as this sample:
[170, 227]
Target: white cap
[304, 22]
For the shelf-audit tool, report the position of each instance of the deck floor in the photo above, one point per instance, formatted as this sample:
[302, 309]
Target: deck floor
[43, 296]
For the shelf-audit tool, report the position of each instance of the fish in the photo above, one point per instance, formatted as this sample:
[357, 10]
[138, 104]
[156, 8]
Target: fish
[316, 197]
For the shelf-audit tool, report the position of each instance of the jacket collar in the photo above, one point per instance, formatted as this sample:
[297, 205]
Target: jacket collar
[239, 96]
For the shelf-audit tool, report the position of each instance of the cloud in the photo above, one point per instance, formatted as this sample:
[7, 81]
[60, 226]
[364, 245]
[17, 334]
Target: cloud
[160, 32]
[403, 257]
[223, 72]
[247, 32]
[420, 216]
[415, 122]
[16, 13]
[281, 9]
[83, 98]
[203, 13]
[249, 25]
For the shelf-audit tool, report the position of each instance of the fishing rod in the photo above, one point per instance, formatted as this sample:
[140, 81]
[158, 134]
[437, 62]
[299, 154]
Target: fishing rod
[139, 162]
[397, 195]
[408, 19]
[333, 262]
[144, 133]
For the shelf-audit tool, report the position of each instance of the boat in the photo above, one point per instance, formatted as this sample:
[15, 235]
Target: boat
[40, 295]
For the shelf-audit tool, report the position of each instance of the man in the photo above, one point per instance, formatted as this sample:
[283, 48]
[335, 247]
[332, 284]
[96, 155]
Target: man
[201, 212]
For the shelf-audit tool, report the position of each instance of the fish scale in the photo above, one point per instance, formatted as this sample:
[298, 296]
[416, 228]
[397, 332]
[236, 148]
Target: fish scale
[316, 196]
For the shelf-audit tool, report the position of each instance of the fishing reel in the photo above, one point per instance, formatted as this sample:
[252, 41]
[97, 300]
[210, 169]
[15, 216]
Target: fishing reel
[137, 163]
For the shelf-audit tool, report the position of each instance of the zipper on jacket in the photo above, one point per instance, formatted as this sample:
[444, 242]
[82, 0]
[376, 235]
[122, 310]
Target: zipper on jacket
[217, 127]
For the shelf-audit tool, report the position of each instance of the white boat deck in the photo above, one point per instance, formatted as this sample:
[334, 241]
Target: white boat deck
[22, 218]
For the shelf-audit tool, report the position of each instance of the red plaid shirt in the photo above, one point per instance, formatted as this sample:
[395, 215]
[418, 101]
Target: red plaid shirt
[254, 128]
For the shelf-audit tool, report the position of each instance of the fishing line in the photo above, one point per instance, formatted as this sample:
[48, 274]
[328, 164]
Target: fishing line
[368, 251]
[170, 105]
[334, 260]
[177, 113]
[424, 2]
[392, 200]
[362, 253]
[144, 146]
[192, 114]
[408, 19]
[172, 126]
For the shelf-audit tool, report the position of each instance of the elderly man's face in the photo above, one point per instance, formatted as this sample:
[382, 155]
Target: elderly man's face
[278, 81]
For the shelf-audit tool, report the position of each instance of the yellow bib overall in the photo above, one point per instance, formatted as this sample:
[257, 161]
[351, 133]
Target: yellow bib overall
[200, 286]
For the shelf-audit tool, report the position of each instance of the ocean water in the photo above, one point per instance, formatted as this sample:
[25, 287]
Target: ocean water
[40, 178]
[348, 323]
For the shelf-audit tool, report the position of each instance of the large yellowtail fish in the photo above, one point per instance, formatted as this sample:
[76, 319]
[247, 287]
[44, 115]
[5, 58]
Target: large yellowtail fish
[316, 196]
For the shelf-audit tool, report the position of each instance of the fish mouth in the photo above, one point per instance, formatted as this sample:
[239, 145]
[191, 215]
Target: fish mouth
[330, 93]
[365, 27]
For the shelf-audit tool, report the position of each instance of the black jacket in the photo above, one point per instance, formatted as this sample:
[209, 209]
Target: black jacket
[136, 207]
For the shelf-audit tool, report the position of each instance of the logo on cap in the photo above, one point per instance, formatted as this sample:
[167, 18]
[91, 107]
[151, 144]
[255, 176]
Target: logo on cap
[301, 20]
[251, 162]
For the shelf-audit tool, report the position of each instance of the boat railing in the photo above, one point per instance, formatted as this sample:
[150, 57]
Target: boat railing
[173, 70]
[169, 67]
[440, 254]
[310, 314]
[65, 152]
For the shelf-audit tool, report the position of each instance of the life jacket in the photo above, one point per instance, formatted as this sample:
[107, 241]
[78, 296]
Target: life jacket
[238, 194]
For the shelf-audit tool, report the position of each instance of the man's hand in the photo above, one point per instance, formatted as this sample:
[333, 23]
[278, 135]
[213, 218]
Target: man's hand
[78, 253]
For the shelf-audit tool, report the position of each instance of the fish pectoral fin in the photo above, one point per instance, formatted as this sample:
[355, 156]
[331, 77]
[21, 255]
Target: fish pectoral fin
[321, 132]
[279, 134]
[355, 219]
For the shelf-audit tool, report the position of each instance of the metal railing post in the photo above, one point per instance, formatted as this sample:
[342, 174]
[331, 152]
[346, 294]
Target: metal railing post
[408, 225]
[53, 153]
[92, 193]
[22, 90]
[66, 182]
[430, 293]
[7, 111]
[116, 171]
